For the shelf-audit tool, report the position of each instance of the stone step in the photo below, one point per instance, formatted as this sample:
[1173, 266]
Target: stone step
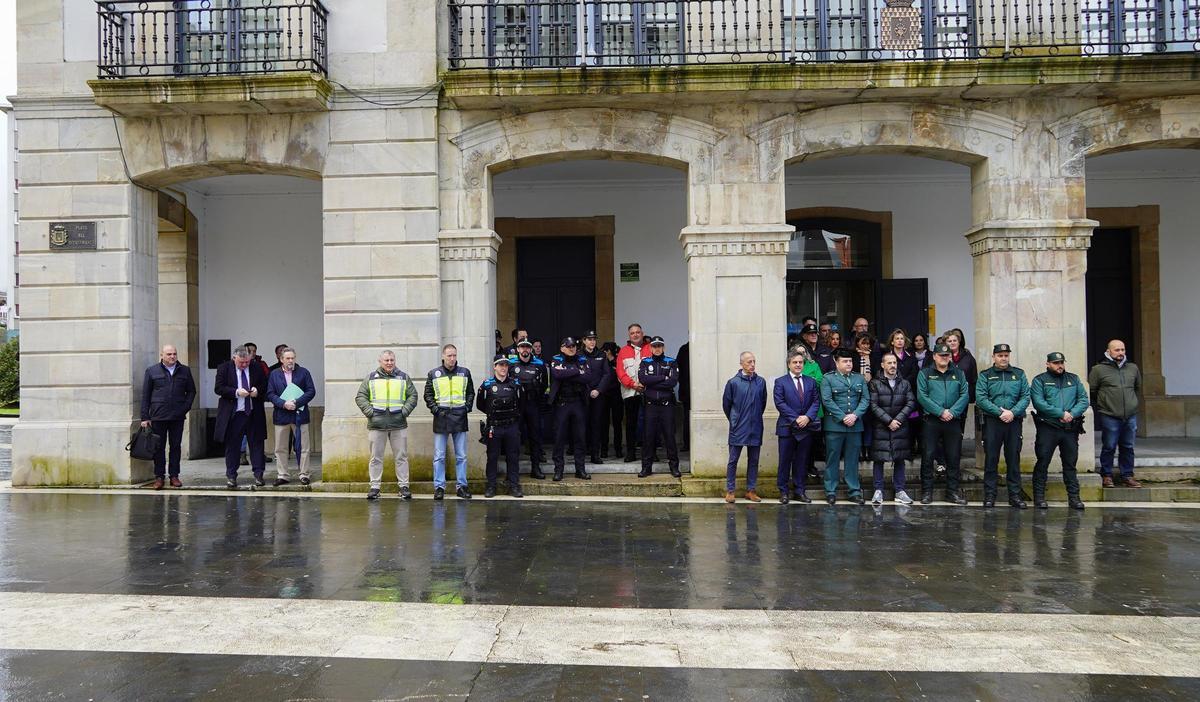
[1180, 491]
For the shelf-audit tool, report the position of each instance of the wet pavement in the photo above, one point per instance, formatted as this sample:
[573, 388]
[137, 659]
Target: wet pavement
[731, 563]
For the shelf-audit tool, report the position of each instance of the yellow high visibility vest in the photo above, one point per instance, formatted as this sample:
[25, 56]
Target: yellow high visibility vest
[450, 390]
[388, 394]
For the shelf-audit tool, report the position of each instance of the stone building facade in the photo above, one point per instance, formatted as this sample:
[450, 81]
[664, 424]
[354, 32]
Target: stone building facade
[406, 146]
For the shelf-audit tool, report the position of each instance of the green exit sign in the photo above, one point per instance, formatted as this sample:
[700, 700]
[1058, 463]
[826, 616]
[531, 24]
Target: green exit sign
[629, 272]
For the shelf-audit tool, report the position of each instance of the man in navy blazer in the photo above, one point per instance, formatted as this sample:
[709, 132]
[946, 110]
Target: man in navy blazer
[242, 387]
[289, 416]
[797, 399]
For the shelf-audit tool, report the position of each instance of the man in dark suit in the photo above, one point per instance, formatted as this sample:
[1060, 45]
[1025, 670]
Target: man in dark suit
[242, 386]
[797, 399]
[167, 394]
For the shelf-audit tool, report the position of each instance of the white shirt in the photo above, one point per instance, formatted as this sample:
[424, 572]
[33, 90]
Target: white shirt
[171, 369]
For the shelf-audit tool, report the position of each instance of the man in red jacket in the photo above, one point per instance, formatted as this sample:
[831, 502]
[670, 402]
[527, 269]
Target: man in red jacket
[627, 365]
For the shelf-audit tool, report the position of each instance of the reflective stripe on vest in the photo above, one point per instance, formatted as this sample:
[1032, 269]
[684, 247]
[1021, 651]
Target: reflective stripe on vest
[388, 394]
[450, 390]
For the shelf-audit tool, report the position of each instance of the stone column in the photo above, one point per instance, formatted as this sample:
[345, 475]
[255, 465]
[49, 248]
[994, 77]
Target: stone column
[179, 302]
[1029, 293]
[468, 279]
[380, 271]
[737, 297]
[89, 323]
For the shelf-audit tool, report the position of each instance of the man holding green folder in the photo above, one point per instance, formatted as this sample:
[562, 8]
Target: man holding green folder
[290, 389]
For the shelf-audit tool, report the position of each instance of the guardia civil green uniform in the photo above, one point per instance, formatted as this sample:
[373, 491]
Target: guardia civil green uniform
[998, 389]
[939, 391]
[1053, 394]
[841, 395]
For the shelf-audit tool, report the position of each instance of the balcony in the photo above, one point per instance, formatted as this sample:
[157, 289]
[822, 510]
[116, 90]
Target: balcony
[211, 56]
[543, 34]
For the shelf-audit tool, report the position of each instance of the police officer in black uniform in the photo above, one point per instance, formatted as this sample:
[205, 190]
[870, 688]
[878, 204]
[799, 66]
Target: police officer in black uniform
[659, 374]
[531, 372]
[600, 378]
[501, 398]
[569, 381]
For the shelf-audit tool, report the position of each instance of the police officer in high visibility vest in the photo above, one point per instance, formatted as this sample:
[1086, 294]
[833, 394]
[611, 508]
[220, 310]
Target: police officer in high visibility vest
[568, 395]
[659, 374]
[1002, 397]
[501, 398]
[449, 394]
[530, 371]
[386, 397]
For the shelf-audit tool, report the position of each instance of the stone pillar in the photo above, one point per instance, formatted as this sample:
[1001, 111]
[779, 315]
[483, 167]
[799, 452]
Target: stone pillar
[468, 278]
[380, 271]
[1029, 293]
[737, 298]
[89, 322]
[179, 302]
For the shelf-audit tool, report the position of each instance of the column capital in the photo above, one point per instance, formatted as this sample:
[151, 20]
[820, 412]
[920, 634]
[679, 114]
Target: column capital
[736, 240]
[1031, 235]
[468, 245]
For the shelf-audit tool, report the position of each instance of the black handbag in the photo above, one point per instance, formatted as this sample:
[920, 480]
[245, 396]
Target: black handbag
[144, 444]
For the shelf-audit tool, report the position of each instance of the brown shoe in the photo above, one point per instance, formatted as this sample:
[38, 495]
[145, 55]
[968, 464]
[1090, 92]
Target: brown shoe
[1130, 482]
[1108, 481]
[158, 483]
[752, 496]
[175, 482]
[730, 497]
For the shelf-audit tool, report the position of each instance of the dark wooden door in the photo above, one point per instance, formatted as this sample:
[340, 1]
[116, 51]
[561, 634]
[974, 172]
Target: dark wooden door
[901, 303]
[1109, 285]
[556, 288]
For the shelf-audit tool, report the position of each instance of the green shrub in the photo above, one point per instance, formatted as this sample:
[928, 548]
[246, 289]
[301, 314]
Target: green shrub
[10, 373]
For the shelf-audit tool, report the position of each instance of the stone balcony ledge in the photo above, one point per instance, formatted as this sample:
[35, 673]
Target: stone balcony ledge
[299, 91]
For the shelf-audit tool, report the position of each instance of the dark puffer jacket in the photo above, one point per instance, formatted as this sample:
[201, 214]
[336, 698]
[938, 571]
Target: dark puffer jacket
[888, 403]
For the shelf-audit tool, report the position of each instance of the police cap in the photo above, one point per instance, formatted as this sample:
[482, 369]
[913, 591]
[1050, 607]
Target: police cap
[657, 341]
[1056, 357]
[525, 342]
[1001, 348]
[500, 360]
[941, 350]
[568, 341]
[589, 335]
[810, 329]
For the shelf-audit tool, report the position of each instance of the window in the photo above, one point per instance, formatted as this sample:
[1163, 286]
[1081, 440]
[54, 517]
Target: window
[1139, 26]
[825, 30]
[548, 33]
[228, 36]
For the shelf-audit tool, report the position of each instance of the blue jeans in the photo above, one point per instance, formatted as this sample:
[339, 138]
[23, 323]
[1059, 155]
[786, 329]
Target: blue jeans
[439, 459]
[1116, 432]
[735, 453]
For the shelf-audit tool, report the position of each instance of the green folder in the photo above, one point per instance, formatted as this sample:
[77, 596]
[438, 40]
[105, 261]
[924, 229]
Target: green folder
[291, 392]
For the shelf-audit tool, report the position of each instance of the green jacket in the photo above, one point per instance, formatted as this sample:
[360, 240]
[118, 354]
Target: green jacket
[812, 370]
[378, 419]
[997, 390]
[1054, 394]
[842, 395]
[937, 391]
[1115, 390]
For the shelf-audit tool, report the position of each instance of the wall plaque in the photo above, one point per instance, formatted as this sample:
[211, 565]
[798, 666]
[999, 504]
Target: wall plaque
[629, 273]
[72, 236]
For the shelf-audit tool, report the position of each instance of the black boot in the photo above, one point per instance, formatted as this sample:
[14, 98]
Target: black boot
[582, 474]
[1039, 501]
[989, 500]
[536, 473]
[675, 472]
[1075, 503]
[558, 475]
[1017, 502]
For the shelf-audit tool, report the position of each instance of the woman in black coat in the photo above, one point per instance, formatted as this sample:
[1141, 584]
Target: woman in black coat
[892, 400]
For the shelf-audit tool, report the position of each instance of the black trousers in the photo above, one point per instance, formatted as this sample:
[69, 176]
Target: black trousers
[171, 432]
[504, 440]
[616, 411]
[660, 422]
[530, 428]
[998, 437]
[944, 438]
[1067, 442]
[570, 424]
[633, 405]
[239, 428]
[597, 414]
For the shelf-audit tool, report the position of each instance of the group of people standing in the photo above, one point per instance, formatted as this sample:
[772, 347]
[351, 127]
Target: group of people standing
[887, 402]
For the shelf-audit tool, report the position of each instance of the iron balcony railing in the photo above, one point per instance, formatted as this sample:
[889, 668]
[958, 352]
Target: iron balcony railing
[562, 33]
[210, 37]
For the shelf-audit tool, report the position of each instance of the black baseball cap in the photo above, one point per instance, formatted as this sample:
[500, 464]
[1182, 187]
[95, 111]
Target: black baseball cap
[568, 341]
[1001, 348]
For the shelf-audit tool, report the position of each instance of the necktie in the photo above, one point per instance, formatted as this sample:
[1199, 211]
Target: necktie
[246, 386]
[799, 392]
